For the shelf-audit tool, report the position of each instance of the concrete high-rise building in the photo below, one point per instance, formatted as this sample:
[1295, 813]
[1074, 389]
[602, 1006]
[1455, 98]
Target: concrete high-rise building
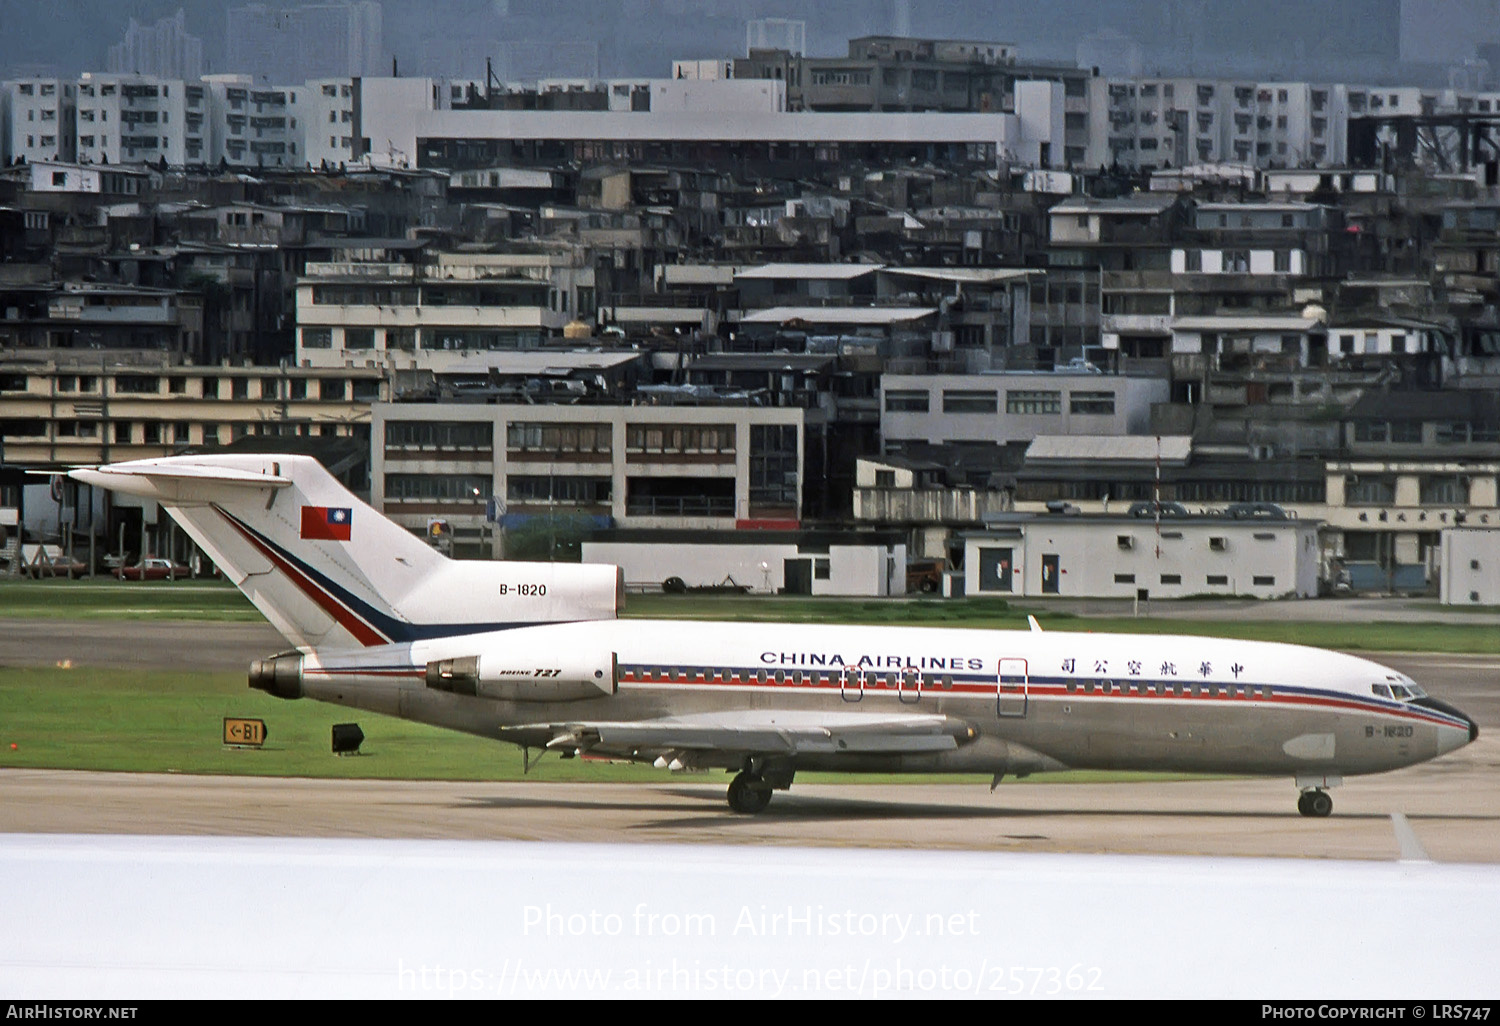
[776, 34]
[299, 43]
[164, 49]
[1447, 31]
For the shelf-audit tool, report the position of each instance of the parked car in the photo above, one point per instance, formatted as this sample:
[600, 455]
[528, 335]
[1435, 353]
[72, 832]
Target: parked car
[153, 569]
[925, 575]
[57, 565]
[1150, 509]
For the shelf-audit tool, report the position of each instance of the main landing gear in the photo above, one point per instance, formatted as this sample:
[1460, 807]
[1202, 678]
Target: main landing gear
[750, 790]
[749, 794]
[1315, 803]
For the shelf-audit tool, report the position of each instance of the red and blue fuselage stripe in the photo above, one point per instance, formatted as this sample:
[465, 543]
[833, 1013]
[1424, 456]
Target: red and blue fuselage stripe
[368, 625]
[1279, 695]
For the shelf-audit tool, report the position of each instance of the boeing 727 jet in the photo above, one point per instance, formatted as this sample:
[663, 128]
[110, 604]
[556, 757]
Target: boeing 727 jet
[533, 654]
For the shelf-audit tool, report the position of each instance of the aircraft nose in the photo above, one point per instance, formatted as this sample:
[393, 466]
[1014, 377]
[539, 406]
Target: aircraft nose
[1457, 740]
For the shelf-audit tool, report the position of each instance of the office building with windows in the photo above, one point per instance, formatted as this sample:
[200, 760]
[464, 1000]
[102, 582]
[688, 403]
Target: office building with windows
[703, 467]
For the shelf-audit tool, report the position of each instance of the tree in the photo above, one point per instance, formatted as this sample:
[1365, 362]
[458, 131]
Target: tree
[549, 538]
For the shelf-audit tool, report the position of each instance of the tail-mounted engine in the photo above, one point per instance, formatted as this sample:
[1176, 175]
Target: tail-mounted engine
[524, 677]
[280, 675]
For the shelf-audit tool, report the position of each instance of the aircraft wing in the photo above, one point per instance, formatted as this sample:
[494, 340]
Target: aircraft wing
[759, 732]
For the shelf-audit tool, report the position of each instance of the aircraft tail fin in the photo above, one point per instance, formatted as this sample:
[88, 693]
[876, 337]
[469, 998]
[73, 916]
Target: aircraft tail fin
[329, 570]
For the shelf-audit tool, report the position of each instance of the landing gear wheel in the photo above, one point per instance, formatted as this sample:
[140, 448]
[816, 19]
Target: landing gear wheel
[748, 794]
[1316, 804]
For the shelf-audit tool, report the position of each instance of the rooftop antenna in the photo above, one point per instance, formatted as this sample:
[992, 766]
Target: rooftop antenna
[1156, 505]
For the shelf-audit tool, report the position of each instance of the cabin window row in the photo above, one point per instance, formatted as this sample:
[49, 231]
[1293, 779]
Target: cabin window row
[870, 679]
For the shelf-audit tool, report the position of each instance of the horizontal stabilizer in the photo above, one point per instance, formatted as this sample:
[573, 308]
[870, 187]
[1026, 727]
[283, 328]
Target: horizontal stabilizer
[152, 478]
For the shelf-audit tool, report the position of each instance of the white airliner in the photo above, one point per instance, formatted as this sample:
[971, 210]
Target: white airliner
[532, 654]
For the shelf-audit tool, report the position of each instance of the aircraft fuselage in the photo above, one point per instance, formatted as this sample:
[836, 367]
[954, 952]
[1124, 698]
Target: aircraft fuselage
[1030, 701]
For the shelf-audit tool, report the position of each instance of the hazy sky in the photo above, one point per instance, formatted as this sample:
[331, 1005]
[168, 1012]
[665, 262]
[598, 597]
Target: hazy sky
[1315, 38]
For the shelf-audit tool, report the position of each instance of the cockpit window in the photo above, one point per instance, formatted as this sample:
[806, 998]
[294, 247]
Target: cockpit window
[1407, 690]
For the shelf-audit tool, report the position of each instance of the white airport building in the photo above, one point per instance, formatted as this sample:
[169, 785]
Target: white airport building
[759, 562]
[1081, 556]
[1470, 567]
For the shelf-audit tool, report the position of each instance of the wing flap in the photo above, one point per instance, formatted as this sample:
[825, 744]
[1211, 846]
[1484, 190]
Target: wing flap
[766, 732]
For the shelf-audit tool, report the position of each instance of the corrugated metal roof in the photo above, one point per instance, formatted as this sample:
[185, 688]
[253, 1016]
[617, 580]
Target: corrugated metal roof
[839, 314]
[980, 275]
[1273, 206]
[539, 362]
[762, 361]
[814, 272]
[1453, 404]
[1136, 448]
[1246, 323]
[1140, 204]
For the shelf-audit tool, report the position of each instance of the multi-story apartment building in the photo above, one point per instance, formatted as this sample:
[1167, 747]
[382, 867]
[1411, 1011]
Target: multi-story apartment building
[137, 119]
[1140, 308]
[254, 125]
[891, 73]
[1063, 115]
[272, 136]
[1048, 115]
[325, 113]
[99, 319]
[697, 123]
[61, 409]
[1161, 122]
[140, 119]
[39, 115]
[1297, 123]
[432, 313]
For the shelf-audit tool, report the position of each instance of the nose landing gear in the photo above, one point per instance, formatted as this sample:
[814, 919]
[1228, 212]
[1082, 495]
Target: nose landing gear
[1315, 803]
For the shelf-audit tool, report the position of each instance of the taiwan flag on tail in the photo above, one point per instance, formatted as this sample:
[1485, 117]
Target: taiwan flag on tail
[326, 523]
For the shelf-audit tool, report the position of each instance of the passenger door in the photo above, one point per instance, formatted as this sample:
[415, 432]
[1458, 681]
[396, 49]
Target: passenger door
[1012, 684]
